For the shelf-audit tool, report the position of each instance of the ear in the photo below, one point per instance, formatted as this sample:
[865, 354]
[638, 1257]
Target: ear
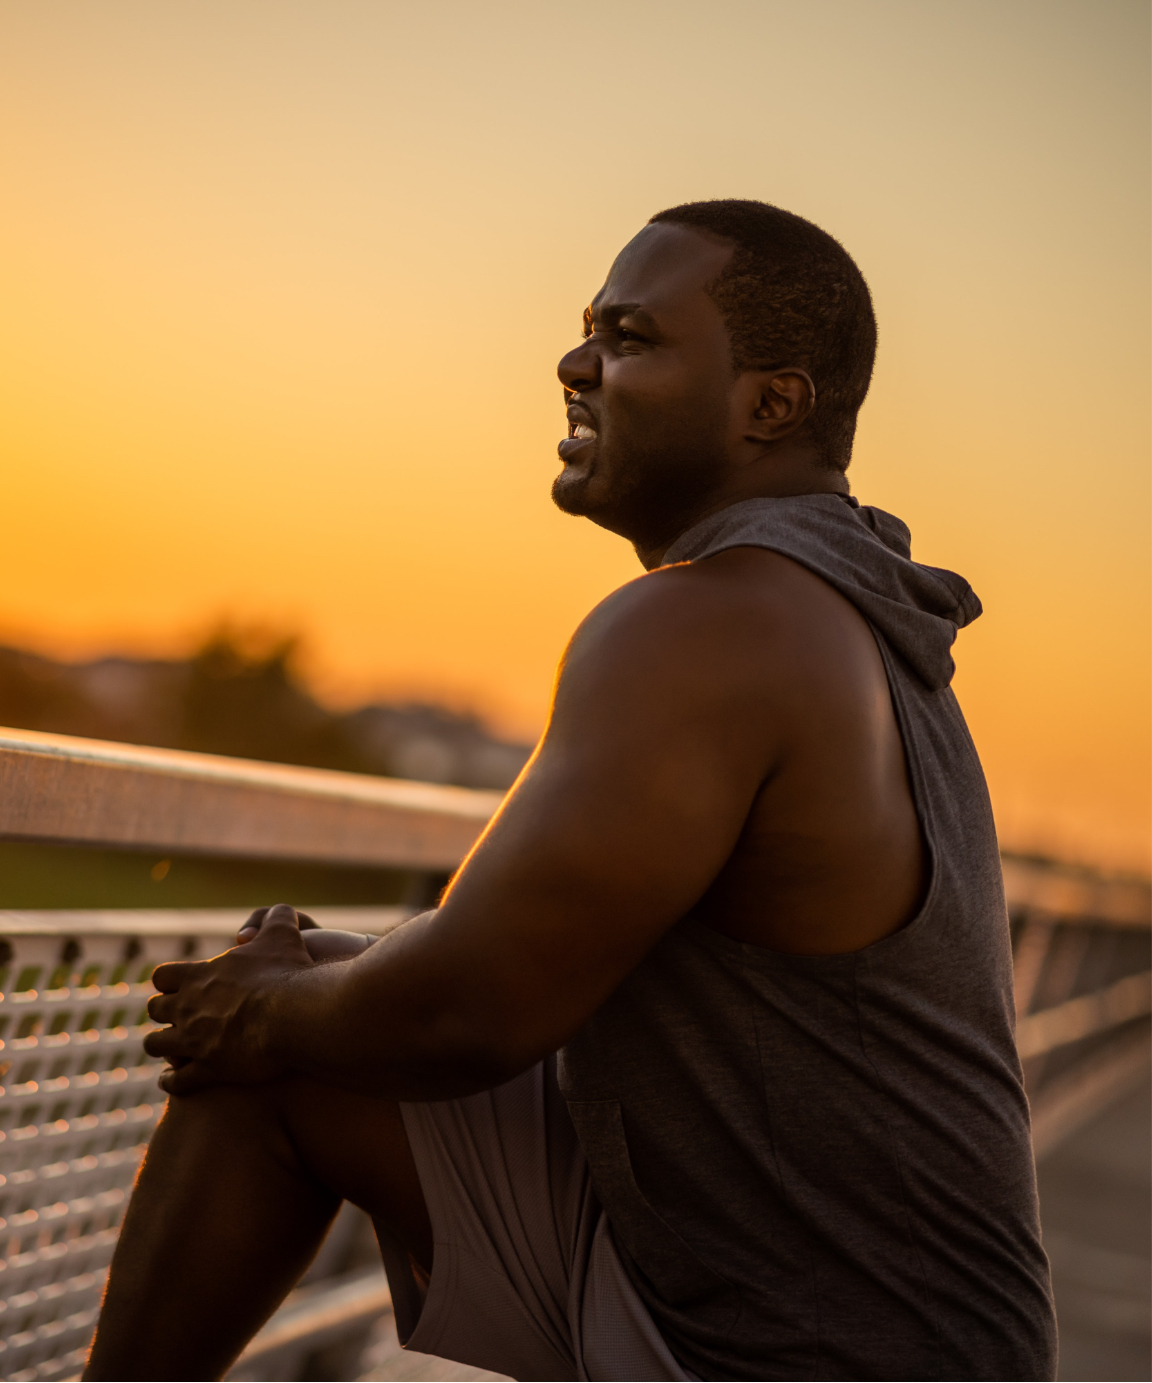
[777, 402]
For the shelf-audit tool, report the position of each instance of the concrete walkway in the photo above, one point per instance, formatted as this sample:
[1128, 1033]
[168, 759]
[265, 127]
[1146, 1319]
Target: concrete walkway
[1096, 1207]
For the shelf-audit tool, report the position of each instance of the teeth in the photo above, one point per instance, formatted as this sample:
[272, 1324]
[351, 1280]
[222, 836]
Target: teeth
[583, 431]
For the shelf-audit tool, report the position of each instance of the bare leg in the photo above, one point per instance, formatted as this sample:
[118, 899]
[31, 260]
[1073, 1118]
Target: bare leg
[237, 1191]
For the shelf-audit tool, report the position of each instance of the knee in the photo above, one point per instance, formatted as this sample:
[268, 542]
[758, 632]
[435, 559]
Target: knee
[223, 1115]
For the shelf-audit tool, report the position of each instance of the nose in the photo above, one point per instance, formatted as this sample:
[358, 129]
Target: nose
[580, 368]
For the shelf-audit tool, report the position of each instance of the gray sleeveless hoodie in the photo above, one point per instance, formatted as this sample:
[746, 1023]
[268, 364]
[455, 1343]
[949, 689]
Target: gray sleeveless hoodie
[820, 1167]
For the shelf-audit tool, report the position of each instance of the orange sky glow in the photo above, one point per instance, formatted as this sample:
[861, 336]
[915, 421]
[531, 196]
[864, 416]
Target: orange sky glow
[284, 285]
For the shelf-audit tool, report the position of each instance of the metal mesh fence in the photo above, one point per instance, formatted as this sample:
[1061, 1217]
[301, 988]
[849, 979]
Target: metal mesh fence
[79, 1100]
[78, 1103]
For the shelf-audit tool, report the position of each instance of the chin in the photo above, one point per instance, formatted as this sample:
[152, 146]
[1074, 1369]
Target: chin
[574, 494]
[570, 493]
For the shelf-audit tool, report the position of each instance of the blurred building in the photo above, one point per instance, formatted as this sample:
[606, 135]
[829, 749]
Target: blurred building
[232, 699]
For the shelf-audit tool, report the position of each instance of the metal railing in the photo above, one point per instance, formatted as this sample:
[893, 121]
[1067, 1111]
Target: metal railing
[78, 1104]
[79, 1097]
[1082, 951]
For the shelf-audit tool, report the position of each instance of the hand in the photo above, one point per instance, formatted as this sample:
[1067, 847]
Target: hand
[215, 1008]
[324, 943]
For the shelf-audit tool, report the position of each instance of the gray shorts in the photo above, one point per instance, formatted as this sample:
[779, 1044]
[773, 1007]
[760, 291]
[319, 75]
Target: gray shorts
[526, 1280]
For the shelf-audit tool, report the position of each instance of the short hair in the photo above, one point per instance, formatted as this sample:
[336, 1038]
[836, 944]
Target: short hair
[792, 295]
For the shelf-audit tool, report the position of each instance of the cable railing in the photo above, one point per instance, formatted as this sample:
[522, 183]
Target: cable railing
[78, 1095]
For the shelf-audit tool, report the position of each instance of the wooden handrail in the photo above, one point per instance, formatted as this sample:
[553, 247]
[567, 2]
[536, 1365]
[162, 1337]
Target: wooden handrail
[93, 792]
[1069, 895]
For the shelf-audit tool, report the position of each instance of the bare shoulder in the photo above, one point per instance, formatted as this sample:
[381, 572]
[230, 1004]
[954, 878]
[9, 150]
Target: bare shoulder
[745, 609]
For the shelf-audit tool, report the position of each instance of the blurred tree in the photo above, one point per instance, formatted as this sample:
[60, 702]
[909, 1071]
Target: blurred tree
[240, 694]
[240, 699]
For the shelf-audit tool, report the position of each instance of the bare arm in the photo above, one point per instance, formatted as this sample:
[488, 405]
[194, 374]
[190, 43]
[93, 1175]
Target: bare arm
[657, 744]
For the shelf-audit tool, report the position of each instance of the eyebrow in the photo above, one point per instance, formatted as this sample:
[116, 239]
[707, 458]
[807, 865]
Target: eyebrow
[614, 313]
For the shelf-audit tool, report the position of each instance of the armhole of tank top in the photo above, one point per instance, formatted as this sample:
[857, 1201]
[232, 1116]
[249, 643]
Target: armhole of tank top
[920, 803]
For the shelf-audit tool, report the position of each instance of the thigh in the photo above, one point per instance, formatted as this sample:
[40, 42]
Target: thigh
[356, 1147]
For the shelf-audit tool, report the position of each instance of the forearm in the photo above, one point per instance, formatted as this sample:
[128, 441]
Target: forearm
[394, 1021]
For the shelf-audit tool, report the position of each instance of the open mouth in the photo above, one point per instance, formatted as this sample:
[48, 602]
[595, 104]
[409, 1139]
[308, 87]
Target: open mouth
[581, 431]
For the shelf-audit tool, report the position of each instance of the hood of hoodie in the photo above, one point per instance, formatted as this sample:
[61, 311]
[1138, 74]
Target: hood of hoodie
[866, 554]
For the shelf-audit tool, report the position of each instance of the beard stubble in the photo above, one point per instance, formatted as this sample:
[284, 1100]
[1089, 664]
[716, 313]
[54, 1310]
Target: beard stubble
[645, 484]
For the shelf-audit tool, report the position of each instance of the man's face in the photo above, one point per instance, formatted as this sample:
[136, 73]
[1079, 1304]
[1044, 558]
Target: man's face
[648, 390]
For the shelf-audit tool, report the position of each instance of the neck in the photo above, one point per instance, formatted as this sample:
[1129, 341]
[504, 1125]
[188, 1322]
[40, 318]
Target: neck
[803, 481]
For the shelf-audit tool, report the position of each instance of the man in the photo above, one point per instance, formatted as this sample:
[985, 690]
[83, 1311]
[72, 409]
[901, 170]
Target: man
[704, 1065]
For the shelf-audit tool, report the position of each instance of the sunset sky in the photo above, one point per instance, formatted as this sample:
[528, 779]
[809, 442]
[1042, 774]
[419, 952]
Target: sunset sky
[284, 284]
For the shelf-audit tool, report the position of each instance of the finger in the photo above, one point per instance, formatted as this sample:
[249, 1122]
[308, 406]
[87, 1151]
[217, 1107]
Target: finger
[162, 1008]
[167, 1044]
[279, 923]
[186, 1080]
[172, 975]
[251, 927]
